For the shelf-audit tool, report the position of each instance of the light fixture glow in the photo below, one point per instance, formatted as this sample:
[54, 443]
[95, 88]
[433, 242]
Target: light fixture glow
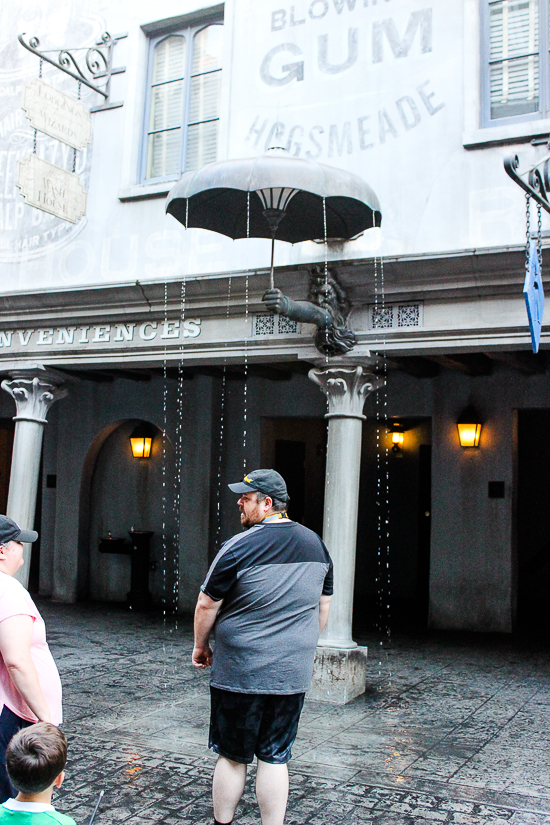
[396, 432]
[469, 428]
[141, 441]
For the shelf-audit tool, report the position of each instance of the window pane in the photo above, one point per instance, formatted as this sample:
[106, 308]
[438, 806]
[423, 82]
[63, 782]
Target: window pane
[514, 84]
[207, 49]
[164, 154]
[166, 106]
[169, 59]
[515, 87]
[205, 96]
[202, 144]
[513, 27]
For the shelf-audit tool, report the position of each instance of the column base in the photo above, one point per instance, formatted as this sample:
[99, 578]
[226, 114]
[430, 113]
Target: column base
[338, 675]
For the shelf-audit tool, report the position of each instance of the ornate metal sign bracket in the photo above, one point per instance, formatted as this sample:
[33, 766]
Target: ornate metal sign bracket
[538, 179]
[95, 64]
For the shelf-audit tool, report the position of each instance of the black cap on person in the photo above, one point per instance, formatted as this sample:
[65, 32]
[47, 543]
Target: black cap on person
[10, 531]
[269, 482]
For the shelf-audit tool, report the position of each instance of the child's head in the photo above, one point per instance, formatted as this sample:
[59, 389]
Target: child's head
[35, 757]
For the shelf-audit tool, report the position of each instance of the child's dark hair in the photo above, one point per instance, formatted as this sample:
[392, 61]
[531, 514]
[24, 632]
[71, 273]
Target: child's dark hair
[35, 756]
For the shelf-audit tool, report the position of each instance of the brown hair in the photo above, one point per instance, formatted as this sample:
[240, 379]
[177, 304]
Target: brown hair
[277, 504]
[35, 756]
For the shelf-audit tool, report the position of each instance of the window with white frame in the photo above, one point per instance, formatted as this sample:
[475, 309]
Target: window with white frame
[183, 101]
[517, 76]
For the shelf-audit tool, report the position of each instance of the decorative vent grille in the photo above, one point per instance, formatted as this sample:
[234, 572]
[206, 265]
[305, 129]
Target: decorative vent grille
[264, 325]
[393, 316]
[382, 317]
[286, 326]
[274, 325]
[408, 316]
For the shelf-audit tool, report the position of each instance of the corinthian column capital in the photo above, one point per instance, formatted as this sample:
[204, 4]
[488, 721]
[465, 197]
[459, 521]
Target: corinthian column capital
[34, 389]
[346, 386]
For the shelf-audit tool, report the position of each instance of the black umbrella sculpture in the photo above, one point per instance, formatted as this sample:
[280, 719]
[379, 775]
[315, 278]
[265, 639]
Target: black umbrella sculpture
[275, 196]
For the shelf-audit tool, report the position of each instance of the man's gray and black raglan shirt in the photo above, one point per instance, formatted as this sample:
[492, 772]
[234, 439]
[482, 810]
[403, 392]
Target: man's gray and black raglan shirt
[271, 579]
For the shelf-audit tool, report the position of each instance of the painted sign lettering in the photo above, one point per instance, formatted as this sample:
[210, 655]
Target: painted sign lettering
[51, 189]
[162, 333]
[353, 135]
[57, 114]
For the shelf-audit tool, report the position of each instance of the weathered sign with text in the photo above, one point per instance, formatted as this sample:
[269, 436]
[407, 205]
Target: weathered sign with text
[51, 189]
[57, 114]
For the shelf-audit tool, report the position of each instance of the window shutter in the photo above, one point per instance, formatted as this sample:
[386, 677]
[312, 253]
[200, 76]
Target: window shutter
[513, 57]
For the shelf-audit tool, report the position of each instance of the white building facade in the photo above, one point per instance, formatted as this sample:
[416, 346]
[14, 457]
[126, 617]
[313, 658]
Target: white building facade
[145, 321]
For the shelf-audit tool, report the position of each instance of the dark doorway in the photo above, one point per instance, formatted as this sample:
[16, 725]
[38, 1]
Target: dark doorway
[394, 497]
[7, 427]
[296, 448]
[533, 521]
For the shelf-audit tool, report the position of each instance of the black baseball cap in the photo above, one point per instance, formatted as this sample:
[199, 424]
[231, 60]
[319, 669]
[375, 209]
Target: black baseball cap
[269, 482]
[10, 531]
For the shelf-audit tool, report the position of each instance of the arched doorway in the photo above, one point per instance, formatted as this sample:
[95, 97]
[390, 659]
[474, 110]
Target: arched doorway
[120, 492]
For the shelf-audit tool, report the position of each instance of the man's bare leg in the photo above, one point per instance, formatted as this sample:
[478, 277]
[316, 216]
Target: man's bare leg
[272, 792]
[227, 788]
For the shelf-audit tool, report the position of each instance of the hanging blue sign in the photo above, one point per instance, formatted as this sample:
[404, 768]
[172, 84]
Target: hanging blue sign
[534, 296]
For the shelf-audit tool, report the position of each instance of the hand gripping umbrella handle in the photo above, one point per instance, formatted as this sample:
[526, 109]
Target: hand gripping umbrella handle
[100, 797]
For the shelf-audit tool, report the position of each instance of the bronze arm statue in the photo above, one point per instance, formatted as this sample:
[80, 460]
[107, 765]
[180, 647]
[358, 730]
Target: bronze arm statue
[302, 311]
[327, 308]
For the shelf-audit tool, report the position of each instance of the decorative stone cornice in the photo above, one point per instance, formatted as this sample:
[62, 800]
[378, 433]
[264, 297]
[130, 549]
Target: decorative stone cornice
[34, 389]
[346, 387]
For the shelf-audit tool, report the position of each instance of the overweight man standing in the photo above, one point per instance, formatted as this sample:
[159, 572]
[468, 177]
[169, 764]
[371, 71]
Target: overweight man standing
[267, 594]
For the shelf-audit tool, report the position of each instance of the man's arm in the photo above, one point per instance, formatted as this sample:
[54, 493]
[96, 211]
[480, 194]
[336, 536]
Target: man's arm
[324, 607]
[205, 616]
[15, 647]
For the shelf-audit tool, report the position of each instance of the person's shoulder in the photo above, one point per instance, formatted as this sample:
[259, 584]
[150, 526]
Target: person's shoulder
[306, 534]
[242, 541]
[59, 817]
[11, 588]
[309, 538]
[10, 583]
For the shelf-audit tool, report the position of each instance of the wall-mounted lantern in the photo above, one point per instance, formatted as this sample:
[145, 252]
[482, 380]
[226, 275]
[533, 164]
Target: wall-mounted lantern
[141, 440]
[396, 431]
[469, 428]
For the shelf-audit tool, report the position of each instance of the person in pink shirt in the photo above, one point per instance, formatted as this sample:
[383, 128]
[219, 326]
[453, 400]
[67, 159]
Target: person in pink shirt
[30, 687]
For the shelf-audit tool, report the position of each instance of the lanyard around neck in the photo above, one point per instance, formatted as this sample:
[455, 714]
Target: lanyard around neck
[274, 517]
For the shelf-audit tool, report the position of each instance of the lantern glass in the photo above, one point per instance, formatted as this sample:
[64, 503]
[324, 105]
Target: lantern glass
[141, 440]
[141, 447]
[397, 438]
[469, 434]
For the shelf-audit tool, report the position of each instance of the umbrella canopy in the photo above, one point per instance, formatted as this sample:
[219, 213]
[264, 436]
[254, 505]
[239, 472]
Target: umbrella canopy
[216, 197]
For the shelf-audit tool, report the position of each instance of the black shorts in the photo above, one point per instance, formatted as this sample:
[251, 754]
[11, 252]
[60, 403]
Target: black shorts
[246, 724]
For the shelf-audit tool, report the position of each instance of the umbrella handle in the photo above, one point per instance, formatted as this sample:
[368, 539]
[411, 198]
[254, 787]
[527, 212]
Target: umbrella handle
[271, 276]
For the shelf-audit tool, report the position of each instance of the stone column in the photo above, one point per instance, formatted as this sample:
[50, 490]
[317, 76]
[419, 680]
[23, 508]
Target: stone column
[340, 665]
[34, 388]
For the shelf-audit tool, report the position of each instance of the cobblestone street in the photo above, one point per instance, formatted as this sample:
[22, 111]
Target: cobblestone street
[453, 728]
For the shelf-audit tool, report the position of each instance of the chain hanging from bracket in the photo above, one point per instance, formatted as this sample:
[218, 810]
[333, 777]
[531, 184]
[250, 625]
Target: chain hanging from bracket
[74, 150]
[539, 234]
[527, 229]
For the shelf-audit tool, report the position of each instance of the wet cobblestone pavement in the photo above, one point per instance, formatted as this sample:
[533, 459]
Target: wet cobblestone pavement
[453, 728]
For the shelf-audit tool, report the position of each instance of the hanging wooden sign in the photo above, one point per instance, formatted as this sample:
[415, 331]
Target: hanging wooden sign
[57, 114]
[51, 189]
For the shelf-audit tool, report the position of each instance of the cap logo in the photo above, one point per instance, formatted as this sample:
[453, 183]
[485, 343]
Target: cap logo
[247, 478]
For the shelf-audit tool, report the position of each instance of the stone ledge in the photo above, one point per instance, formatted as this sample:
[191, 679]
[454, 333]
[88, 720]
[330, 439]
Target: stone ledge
[338, 675]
